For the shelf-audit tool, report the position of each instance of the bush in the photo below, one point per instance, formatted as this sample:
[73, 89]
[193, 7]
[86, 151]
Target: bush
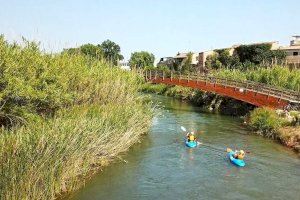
[154, 88]
[180, 92]
[39, 83]
[266, 121]
[276, 76]
[75, 113]
[44, 159]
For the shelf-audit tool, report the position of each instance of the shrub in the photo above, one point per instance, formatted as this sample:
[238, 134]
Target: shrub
[276, 76]
[40, 83]
[180, 92]
[75, 112]
[266, 121]
[154, 88]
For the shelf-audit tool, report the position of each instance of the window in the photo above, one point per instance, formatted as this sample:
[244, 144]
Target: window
[295, 53]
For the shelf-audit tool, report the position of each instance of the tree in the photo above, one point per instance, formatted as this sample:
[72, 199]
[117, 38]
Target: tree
[254, 53]
[224, 57]
[212, 61]
[187, 64]
[91, 50]
[141, 59]
[111, 51]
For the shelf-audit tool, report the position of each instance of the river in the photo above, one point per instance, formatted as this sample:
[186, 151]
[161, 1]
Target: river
[162, 167]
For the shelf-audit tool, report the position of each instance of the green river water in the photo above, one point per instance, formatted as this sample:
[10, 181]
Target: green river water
[162, 167]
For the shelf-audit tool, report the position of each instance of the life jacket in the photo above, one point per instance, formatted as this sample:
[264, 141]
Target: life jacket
[191, 137]
[239, 155]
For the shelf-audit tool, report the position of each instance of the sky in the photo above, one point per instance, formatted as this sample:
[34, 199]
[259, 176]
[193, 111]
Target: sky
[162, 27]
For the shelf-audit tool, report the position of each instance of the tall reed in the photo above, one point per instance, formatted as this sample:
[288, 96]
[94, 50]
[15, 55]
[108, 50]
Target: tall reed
[277, 76]
[63, 117]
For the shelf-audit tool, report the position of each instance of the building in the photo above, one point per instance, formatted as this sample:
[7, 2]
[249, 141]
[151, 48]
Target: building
[202, 58]
[293, 51]
[124, 65]
[178, 60]
[166, 61]
[180, 57]
[203, 55]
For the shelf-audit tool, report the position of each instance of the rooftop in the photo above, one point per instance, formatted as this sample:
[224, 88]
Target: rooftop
[290, 47]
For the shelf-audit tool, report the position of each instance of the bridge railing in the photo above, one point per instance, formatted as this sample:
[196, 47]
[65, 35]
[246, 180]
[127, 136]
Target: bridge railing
[290, 95]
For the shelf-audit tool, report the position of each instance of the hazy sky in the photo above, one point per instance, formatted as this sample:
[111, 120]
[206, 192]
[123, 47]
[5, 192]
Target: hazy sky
[159, 26]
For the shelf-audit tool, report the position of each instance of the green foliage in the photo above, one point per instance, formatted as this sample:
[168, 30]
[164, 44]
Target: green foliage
[44, 159]
[212, 62]
[39, 83]
[154, 88]
[276, 76]
[222, 59]
[90, 50]
[111, 51]
[79, 113]
[253, 53]
[141, 59]
[245, 57]
[186, 66]
[108, 50]
[179, 92]
[163, 68]
[266, 121]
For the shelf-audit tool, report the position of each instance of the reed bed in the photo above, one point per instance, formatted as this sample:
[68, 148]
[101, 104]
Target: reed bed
[277, 76]
[63, 117]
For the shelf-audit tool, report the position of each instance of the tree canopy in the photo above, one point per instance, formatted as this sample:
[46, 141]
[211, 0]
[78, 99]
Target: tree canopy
[111, 51]
[141, 59]
[108, 50]
[244, 56]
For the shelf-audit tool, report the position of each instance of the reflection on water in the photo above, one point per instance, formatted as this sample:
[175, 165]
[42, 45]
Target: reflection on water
[161, 167]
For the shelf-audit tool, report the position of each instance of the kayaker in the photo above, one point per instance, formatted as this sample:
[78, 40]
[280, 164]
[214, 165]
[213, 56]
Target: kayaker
[191, 136]
[239, 154]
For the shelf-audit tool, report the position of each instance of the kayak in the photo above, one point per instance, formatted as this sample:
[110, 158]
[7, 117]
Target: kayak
[235, 161]
[190, 144]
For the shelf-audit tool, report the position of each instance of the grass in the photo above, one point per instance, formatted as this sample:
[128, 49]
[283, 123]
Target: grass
[154, 88]
[40, 161]
[63, 117]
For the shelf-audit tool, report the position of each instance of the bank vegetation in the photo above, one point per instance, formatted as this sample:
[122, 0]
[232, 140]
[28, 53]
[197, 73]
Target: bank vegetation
[63, 117]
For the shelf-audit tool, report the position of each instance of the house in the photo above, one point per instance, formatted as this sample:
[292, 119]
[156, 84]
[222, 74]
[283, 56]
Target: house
[166, 61]
[292, 51]
[203, 55]
[124, 65]
[178, 60]
[202, 58]
[180, 57]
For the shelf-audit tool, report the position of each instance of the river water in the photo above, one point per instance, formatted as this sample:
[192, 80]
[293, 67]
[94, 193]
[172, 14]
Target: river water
[162, 167]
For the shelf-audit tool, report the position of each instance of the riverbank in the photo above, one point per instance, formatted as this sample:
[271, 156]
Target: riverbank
[158, 167]
[63, 118]
[278, 125]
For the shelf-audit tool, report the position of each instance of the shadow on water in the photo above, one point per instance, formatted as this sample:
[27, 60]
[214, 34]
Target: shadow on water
[161, 167]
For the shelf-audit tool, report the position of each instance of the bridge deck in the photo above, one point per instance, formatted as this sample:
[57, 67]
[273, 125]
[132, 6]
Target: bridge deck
[251, 92]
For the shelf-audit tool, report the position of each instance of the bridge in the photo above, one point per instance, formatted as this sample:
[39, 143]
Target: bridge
[254, 93]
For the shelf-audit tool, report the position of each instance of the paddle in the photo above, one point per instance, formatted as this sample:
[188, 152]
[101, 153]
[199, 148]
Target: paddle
[184, 129]
[227, 150]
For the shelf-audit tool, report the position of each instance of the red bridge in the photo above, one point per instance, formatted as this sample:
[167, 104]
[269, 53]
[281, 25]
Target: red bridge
[251, 92]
